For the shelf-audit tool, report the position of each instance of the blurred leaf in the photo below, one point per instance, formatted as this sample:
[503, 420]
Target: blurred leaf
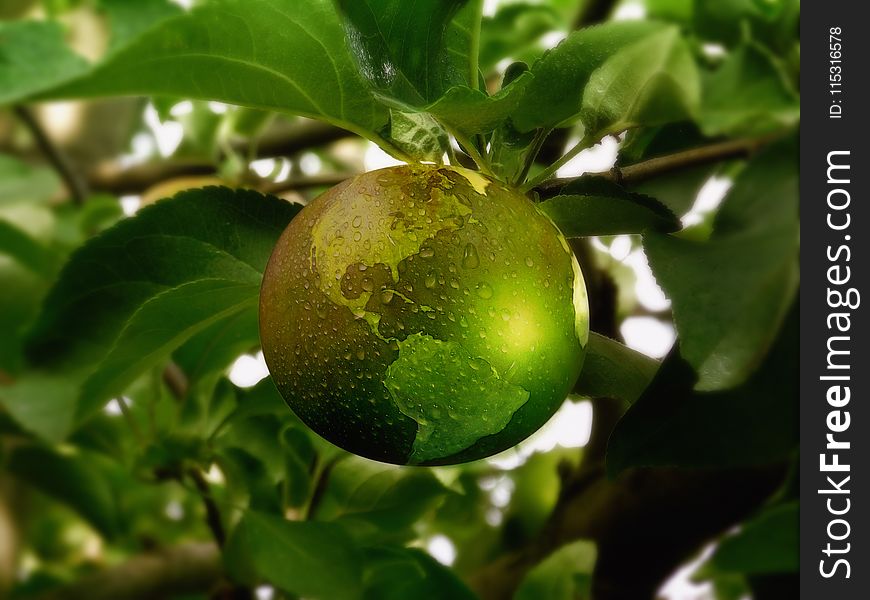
[20, 182]
[612, 370]
[400, 573]
[730, 294]
[654, 80]
[43, 402]
[379, 502]
[33, 58]
[310, 559]
[400, 46]
[595, 206]
[130, 19]
[248, 481]
[564, 575]
[216, 52]
[673, 424]
[513, 29]
[767, 543]
[748, 95]
[27, 251]
[70, 479]
[555, 95]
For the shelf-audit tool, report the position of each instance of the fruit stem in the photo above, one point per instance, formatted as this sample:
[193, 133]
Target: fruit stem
[472, 151]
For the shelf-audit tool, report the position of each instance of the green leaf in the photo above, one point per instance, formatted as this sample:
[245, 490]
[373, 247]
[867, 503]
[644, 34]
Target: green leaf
[33, 58]
[401, 46]
[419, 135]
[513, 30]
[611, 370]
[71, 479]
[43, 402]
[20, 182]
[204, 234]
[379, 502]
[748, 95]
[399, 573]
[305, 558]
[283, 55]
[215, 348]
[27, 251]
[555, 95]
[652, 81]
[767, 543]
[127, 20]
[143, 287]
[730, 294]
[673, 424]
[596, 206]
[564, 575]
[160, 325]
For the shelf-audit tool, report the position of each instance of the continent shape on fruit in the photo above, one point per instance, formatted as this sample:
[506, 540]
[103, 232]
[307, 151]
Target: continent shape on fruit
[423, 315]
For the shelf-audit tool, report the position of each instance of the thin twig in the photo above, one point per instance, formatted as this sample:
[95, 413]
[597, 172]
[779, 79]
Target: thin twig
[304, 183]
[212, 512]
[76, 185]
[661, 165]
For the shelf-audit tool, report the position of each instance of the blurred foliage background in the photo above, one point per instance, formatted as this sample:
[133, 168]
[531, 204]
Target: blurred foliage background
[136, 464]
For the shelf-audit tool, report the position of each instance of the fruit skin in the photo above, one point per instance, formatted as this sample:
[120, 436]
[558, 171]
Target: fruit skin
[423, 315]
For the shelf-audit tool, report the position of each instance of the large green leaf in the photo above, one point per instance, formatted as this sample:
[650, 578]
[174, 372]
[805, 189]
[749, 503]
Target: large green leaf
[309, 559]
[611, 370]
[731, 293]
[379, 502]
[132, 294]
[401, 46]
[159, 326]
[394, 573]
[598, 207]
[555, 95]
[748, 95]
[674, 424]
[652, 81]
[129, 19]
[33, 58]
[283, 55]
[71, 479]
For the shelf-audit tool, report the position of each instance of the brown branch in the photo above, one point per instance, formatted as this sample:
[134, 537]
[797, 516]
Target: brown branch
[75, 184]
[185, 569]
[212, 512]
[304, 183]
[299, 136]
[662, 165]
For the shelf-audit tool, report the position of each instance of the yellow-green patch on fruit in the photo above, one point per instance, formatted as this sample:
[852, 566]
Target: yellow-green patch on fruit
[423, 315]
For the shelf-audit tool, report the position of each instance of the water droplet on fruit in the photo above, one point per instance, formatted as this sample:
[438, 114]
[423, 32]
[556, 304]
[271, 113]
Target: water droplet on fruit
[470, 259]
[484, 291]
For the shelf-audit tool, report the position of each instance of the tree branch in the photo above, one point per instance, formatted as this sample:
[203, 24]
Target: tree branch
[184, 569]
[112, 177]
[661, 165]
[76, 185]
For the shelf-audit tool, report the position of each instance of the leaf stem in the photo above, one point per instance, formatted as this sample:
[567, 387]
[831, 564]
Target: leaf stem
[128, 416]
[474, 45]
[584, 144]
[537, 144]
